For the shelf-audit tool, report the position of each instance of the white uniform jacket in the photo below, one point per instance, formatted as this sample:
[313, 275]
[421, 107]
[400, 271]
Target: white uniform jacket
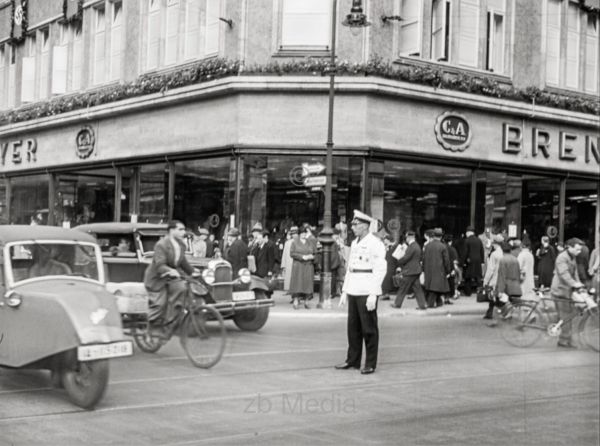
[366, 267]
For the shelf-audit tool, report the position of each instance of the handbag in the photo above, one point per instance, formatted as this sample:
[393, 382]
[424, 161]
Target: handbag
[396, 279]
[422, 278]
[484, 294]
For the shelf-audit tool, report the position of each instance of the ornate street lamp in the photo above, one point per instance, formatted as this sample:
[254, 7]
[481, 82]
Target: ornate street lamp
[355, 20]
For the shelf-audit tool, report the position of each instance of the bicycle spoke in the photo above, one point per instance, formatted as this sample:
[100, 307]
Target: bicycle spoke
[523, 326]
[589, 329]
[203, 336]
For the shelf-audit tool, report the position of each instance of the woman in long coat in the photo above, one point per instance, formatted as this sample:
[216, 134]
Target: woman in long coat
[286, 258]
[303, 253]
[546, 255]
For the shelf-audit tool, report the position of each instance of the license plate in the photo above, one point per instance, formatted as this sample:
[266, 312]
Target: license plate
[103, 351]
[243, 295]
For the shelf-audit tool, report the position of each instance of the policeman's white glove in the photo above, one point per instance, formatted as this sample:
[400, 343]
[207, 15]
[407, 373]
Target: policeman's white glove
[371, 302]
[343, 299]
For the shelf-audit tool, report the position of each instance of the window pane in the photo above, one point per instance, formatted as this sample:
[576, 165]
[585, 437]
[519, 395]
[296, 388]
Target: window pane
[553, 41]
[306, 23]
[85, 197]
[204, 193]
[410, 29]
[420, 197]
[468, 36]
[29, 200]
[154, 189]
[572, 73]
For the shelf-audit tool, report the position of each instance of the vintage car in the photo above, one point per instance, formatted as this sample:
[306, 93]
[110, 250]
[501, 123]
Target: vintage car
[127, 250]
[55, 310]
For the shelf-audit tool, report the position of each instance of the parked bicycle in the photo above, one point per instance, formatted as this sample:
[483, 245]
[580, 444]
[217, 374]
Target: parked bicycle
[527, 320]
[200, 328]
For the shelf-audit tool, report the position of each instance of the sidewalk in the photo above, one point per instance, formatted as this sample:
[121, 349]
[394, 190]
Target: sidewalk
[462, 306]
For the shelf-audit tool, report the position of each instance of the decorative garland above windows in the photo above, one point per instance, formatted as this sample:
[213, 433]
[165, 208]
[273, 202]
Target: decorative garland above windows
[18, 20]
[73, 11]
[592, 6]
[209, 70]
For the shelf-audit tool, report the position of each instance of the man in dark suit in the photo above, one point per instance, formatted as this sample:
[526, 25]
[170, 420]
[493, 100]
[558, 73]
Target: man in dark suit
[410, 267]
[265, 253]
[236, 251]
[436, 265]
[472, 261]
[168, 265]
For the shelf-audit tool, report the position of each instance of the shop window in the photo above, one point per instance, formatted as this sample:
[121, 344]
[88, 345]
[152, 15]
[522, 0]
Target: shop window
[29, 199]
[305, 24]
[128, 201]
[153, 193]
[580, 211]
[540, 209]
[468, 33]
[276, 193]
[419, 197]
[495, 37]
[498, 203]
[440, 30]
[3, 202]
[205, 193]
[85, 197]
[410, 27]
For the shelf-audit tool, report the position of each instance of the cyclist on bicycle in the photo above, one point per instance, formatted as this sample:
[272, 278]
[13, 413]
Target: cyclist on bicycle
[565, 281]
[168, 263]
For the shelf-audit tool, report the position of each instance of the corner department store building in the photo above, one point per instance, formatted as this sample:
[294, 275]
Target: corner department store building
[231, 150]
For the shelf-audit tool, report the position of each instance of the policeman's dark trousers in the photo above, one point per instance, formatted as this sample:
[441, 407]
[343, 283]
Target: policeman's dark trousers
[362, 325]
[408, 284]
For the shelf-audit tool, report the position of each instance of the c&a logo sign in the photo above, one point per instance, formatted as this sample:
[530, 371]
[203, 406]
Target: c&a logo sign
[453, 132]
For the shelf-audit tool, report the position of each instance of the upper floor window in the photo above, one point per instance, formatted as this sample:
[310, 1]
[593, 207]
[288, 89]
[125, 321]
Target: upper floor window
[495, 36]
[99, 44]
[28, 70]
[67, 59]
[180, 30]
[2, 76]
[571, 46]
[440, 30]
[305, 24]
[468, 33]
[411, 27]
[591, 54]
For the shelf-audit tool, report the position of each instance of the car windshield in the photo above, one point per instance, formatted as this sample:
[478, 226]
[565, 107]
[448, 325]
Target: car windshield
[29, 260]
[148, 241]
[116, 245]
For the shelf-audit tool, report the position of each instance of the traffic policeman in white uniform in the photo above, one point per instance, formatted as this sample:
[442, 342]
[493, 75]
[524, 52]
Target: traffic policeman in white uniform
[366, 269]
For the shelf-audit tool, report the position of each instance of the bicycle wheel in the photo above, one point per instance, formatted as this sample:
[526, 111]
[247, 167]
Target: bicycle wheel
[147, 342]
[203, 336]
[523, 326]
[589, 331]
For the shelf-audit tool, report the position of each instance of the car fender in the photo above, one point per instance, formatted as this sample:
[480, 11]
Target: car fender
[258, 283]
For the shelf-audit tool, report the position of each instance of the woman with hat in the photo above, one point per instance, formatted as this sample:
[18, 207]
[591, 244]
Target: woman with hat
[286, 258]
[302, 251]
[491, 272]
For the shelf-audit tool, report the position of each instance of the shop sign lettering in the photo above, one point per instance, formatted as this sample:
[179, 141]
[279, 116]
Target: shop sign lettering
[570, 146]
[18, 151]
[453, 131]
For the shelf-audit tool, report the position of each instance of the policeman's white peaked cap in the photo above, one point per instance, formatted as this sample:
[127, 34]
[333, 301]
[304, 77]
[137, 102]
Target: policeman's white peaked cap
[364, 218]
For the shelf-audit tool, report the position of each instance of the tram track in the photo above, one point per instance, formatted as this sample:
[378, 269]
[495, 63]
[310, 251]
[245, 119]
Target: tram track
[345, 387]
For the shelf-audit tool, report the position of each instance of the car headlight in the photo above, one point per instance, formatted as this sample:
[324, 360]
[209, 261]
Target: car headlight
[209, 276]
[244, 275]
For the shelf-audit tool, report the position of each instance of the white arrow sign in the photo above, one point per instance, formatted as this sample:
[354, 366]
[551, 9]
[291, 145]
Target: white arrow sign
[315, 181]
[313, 169]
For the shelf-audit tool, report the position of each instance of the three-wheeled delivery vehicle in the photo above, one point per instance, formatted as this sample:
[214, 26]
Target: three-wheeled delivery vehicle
[55, 311]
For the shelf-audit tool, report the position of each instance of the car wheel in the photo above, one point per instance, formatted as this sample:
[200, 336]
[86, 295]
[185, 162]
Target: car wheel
[86, 382]
[252, 319]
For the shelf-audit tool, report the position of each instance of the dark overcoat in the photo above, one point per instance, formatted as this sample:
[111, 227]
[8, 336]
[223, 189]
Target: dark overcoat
[436, 265]
[303, 271]
[546, 258]
[266, 257]
[387, 285]
[237, 255]
[473, 258]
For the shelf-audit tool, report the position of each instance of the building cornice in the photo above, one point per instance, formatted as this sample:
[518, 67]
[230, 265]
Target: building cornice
[371, 86]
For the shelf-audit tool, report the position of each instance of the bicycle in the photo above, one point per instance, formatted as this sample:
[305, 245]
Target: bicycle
[200, 328]
[527, 320]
